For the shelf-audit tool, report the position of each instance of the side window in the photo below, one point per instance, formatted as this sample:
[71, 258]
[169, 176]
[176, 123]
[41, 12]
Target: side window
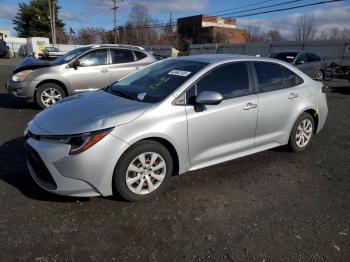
[301, 59]
[316, 58]
[270, 76]
[290, 78]
[139, 55]
[230, 80]
[122, 56]
[309, 58]
[94, 58]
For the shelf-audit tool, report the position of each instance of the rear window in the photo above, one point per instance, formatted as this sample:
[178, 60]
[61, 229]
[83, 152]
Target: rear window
[290, 78]
[139, 55]
[285, 56]
[270, 76]
[122, 56]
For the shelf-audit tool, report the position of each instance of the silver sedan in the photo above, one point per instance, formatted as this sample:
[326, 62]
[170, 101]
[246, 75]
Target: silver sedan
[171, 117]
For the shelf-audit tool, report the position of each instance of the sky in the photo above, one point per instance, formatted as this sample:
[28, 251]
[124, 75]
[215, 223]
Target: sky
[98, 13]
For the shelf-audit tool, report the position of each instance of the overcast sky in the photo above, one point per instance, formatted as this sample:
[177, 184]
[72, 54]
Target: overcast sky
[98, 13]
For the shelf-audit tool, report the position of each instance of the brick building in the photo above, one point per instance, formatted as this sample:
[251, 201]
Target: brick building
[201, 29]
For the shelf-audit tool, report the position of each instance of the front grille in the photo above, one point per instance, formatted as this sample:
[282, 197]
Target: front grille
[39, 168]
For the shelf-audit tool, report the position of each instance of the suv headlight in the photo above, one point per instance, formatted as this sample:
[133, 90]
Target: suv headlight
[21, 76]
[78, 143]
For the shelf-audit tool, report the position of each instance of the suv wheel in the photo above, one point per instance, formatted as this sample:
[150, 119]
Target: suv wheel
[143, 171]
[48, 94]
[302, 133]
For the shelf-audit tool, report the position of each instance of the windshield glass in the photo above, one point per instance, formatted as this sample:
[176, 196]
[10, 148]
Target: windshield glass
[155, 82]
[285, 56]
[69, 56]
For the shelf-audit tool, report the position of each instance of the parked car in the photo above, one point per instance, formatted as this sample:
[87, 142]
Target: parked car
[83, 69]
[310, 63]
[173, 116]
[51, 53]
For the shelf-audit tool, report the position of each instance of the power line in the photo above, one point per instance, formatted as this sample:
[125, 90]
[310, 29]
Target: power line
[239, 7]
[251, 14]
[288, 8]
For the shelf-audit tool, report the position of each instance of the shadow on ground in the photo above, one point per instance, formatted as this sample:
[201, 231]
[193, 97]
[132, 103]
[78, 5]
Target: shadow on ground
[8, 101]
[13, 171]
[344, 90]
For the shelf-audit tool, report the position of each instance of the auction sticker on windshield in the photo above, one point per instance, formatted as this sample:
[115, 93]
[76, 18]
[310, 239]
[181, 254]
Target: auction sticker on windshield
[179, 73]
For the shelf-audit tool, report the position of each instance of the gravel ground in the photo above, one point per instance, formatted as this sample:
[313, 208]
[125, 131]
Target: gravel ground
[272, 206]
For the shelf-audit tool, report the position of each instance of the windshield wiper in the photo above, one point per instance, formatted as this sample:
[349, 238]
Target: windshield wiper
[123, 94]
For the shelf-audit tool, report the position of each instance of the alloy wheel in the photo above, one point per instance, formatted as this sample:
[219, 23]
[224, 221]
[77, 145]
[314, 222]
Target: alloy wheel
[50, 96]
[303, 133]
[145, 173]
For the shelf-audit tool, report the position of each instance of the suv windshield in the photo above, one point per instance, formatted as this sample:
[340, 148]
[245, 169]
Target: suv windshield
[285, 56]
[69, 56]
[155, 82]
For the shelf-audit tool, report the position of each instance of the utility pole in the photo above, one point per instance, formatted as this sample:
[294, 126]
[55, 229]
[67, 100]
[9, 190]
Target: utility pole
[114, 8]
[54, 21]
[50, 17]
[52, 9]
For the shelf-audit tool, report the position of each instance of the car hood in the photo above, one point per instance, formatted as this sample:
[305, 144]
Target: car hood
[31, 63]
[88, 112]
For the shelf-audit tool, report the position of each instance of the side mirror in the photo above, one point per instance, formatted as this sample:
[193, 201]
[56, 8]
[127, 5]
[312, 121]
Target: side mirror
[299, 62]
[209, 98]
[76, 64]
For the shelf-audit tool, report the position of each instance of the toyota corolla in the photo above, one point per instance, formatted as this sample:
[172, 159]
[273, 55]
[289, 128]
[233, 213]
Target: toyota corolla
[168, 118]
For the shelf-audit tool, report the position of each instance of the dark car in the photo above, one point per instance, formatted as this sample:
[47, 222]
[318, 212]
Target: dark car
[310, 63]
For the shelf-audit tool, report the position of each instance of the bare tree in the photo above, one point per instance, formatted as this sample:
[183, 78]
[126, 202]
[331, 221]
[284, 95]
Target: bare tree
[306, 28]
[253, 34]
[334, 33]
[273, 36]
[140, 20]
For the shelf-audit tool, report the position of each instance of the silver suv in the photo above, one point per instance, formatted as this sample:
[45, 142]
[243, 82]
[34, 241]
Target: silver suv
[83, 69]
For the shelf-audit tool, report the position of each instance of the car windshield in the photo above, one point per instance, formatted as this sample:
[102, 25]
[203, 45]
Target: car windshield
[155, 82]
[69, 56]
[285, 56]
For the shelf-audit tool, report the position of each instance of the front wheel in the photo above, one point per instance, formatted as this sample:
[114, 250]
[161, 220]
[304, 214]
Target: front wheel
[49, 94]
[302, 133]
[143, 171]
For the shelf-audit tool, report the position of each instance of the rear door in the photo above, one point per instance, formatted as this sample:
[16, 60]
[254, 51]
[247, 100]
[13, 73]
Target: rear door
[123, 62]
[92, 73]
[279, 93]
[218, 131]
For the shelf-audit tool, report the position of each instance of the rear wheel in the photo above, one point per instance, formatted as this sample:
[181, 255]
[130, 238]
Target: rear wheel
[320, 75]
[302, 133]
[143, 171]
[49, 94]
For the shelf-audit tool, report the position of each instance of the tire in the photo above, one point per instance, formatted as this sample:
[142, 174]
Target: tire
[302, 132]
[134, 191]
[51, 91]
[320, 75]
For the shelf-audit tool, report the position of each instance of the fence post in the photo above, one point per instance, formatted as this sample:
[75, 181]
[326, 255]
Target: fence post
[13, 51]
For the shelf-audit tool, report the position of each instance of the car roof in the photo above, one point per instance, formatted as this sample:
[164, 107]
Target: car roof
[215, 58]
[132, 47]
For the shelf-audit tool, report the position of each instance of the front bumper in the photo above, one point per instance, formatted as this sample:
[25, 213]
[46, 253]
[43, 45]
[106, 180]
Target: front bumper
[22, 89]
[86, 174]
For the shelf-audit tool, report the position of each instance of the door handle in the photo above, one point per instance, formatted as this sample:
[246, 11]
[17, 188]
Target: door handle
[250, 106]
[104, 70]
[137, 67]
[292, 96]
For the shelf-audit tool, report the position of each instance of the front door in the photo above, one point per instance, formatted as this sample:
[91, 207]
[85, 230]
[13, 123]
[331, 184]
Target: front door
[218, 131]
[92, 72]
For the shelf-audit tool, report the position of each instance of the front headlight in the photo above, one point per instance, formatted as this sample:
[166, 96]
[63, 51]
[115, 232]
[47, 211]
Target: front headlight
[78, 143]
[21, 76]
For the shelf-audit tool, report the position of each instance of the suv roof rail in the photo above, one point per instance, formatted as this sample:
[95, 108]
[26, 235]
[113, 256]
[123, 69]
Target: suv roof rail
[119, 45]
